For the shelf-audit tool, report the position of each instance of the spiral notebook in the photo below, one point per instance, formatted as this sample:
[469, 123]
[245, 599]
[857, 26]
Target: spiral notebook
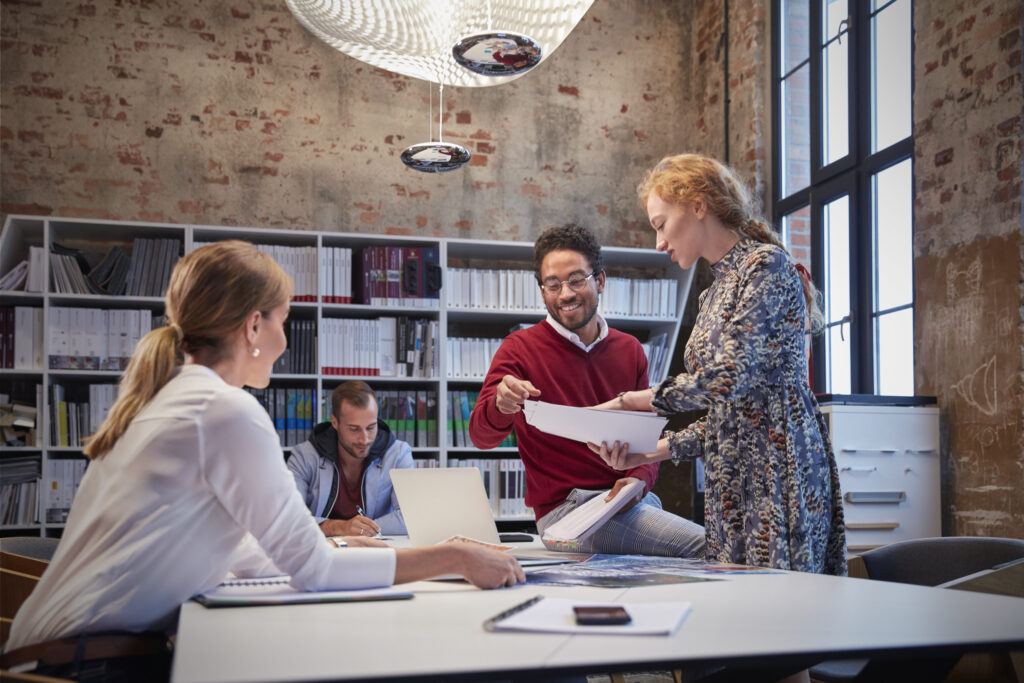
[277, 590]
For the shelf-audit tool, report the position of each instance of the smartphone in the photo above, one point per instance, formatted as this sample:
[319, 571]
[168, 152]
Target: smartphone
[601, 615]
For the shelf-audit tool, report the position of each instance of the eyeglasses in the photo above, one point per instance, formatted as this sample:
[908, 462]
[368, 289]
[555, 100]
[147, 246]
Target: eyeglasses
[576, 284]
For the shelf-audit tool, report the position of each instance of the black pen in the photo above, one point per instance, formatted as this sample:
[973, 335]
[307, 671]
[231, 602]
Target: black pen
[491, 623]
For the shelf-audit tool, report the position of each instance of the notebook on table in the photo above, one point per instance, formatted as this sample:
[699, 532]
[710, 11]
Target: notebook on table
[446, 502]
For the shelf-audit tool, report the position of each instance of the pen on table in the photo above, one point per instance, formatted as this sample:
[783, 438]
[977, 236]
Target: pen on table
[493, 621]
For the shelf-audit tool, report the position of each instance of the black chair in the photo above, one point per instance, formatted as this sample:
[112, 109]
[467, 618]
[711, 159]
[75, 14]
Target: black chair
[923, 562]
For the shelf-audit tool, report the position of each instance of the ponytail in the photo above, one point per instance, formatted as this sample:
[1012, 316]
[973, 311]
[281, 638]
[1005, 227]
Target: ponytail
[152, 365]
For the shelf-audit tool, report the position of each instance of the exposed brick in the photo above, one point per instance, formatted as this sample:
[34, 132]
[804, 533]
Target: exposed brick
[463, 117]
[485, 147]
[569, 90]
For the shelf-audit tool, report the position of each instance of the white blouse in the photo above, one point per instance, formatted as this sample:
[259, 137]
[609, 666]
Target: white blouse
[168, 512]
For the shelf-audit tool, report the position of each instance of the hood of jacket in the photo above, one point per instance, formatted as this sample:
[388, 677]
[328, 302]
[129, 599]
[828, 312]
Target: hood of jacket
[325, 441]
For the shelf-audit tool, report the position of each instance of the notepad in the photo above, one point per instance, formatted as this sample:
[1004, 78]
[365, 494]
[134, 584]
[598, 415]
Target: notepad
[277, 590]
[641, 430]
[588, 518]
[555, 615]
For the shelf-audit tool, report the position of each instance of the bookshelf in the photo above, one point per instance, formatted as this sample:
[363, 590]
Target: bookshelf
[446, 315]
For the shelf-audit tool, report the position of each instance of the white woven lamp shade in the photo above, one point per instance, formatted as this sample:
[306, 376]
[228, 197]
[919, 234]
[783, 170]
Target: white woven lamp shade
[415, 37]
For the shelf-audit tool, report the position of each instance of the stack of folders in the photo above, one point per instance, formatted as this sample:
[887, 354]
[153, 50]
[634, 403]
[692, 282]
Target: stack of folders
[277, 590]
[555, 615]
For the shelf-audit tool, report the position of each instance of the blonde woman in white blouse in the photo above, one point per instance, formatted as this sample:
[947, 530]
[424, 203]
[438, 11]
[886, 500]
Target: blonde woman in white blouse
[186, 481]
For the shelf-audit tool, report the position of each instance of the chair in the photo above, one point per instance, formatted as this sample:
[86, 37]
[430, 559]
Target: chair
[22, 561]
[923, 562]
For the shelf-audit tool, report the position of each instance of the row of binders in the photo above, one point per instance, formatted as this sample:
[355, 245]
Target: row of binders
[518, 290]
[145, 271]
[95, 338]
[21, 337]
[504, 481]
[470, 358]
[460, 408]
[300, 356]
[30, 496]
[373, 276]
[19, 487]
[410, 415]
[384, 347]
[74, 417]
[292, 410]
[381, 276]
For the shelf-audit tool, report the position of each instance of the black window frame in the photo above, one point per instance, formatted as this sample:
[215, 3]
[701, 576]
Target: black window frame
[850, 175]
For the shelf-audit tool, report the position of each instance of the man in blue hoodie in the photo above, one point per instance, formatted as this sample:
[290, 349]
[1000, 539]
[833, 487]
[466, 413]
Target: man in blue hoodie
[343, 470]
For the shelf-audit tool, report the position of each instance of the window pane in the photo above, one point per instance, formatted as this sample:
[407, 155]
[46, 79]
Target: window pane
[833, 14]
[837, 374]
[796, 34]
[890, 75]
[835, 105]
[894, 353]
[796, 131]
[892, 193]
[796, 235]
[836, 233]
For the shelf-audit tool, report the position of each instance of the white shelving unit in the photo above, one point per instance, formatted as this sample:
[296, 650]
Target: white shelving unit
[94, 237]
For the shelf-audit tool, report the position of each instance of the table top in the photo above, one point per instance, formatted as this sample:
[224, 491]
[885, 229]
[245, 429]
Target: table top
[739, 619]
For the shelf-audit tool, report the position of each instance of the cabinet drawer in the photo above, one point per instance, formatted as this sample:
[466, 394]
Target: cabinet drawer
[880, 433]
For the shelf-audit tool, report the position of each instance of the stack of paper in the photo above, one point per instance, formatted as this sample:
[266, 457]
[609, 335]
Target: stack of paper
[588, 518]
[641, 430]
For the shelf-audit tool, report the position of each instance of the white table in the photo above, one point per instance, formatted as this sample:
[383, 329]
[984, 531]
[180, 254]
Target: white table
[742, 619]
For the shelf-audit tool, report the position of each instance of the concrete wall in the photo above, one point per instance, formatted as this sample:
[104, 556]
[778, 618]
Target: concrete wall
[968, 266]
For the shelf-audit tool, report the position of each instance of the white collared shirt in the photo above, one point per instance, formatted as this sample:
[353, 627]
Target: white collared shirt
[602, 331]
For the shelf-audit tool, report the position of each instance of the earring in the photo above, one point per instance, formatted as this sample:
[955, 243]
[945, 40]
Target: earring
[256, 353]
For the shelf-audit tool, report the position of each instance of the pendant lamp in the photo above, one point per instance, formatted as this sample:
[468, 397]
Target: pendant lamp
[436, 157]
[415, 37]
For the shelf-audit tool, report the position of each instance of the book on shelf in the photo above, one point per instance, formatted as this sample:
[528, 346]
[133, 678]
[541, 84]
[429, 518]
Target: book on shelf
[590, 516]
[15, 278]
[278, 590]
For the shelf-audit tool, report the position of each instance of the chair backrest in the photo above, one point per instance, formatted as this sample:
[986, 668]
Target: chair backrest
[931, 561]
[15, 588]
[38, 547]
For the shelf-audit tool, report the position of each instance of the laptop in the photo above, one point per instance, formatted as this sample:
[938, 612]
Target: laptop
[440, 502]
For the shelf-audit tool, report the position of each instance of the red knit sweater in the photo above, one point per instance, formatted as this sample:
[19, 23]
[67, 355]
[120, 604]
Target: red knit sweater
[566, 375]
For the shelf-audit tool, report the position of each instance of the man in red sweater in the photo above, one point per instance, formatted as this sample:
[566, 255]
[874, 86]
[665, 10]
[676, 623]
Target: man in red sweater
[573, 358]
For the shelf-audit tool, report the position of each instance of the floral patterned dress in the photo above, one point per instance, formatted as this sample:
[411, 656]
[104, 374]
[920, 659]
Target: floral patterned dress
[772, 488]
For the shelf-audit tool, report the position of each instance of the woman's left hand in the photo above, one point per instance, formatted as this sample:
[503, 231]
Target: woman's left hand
[618, 457]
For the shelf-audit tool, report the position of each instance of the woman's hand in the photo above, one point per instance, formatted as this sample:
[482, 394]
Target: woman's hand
[618, 457]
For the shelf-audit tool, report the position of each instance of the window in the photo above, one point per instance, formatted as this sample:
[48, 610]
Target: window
[842, 150]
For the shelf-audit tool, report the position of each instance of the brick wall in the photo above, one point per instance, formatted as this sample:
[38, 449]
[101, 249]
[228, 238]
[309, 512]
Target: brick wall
[230, 113]
[967, 247]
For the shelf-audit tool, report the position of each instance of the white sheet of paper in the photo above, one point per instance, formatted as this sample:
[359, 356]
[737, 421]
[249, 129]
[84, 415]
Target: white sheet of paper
[641, 430]
[555, 615]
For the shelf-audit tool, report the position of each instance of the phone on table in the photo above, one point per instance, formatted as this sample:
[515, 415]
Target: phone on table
[601, 615]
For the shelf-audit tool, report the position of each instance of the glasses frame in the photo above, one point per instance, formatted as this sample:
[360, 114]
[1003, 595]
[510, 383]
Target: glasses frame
[579, 286]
